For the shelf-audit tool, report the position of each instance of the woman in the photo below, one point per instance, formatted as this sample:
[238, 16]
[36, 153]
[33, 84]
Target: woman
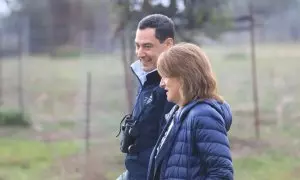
[194, 144]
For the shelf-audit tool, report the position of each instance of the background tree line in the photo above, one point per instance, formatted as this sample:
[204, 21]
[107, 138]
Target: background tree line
[69, 25]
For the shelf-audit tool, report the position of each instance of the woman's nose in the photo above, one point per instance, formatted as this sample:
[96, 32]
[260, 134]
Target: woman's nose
[162, 83]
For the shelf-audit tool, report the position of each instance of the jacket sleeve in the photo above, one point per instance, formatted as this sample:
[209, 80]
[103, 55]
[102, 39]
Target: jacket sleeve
[212, 146]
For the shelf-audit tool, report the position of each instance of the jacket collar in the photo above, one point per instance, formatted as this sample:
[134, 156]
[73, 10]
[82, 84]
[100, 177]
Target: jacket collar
[142, 76]
[180, 116]
[166, 148]
[155, 161]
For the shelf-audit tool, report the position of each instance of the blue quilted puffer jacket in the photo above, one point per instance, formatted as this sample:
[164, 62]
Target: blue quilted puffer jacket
[197, 147]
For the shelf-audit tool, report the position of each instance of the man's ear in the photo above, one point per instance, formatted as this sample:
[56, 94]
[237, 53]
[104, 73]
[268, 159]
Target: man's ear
[169, 42]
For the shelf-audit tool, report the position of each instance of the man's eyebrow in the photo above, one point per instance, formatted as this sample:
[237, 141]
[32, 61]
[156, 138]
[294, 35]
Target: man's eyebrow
[143, 44]
[147, 44]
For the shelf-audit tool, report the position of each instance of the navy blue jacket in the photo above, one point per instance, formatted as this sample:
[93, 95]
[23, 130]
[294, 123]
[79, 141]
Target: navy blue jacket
[197, 147]
[149, 110]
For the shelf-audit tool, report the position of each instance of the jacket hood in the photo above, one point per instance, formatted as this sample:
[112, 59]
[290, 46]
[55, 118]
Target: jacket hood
[222, 108]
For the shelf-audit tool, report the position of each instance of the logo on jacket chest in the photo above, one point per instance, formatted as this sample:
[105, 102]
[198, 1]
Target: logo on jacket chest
[148, 99]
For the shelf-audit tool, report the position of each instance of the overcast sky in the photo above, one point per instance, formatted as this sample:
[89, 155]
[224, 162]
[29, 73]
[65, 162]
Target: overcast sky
[4, 10]
[180, 4]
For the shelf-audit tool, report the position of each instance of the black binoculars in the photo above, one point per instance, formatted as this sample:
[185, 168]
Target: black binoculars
[129, 133]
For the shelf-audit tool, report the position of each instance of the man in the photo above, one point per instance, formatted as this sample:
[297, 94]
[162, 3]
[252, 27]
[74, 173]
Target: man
[154, 35]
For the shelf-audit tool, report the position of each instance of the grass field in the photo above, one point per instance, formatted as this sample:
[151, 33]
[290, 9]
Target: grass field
[27, 159]
[55, 92]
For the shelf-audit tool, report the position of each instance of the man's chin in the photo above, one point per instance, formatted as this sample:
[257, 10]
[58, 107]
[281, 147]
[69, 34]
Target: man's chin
[147, 69]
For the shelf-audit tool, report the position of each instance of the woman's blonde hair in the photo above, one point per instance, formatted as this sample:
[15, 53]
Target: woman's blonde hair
[189, 63]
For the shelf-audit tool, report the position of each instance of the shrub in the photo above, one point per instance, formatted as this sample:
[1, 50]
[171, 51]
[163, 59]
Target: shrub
[14, 118]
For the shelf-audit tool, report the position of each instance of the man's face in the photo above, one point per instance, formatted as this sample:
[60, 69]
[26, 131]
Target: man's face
[148, 48]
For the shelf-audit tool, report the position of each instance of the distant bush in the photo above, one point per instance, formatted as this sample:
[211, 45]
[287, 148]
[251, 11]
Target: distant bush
[14, 118]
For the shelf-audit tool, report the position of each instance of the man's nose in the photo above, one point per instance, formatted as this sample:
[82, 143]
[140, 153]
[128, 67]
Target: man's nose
[140, 53]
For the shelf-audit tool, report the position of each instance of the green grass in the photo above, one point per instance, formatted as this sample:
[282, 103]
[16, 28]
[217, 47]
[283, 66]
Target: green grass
[271, 165]
[25, 160]
[277, 70]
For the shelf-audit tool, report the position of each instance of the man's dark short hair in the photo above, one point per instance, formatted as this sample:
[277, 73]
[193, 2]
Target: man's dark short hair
[163, 25]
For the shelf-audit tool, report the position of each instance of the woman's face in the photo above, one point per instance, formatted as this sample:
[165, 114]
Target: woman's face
[173, 87]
